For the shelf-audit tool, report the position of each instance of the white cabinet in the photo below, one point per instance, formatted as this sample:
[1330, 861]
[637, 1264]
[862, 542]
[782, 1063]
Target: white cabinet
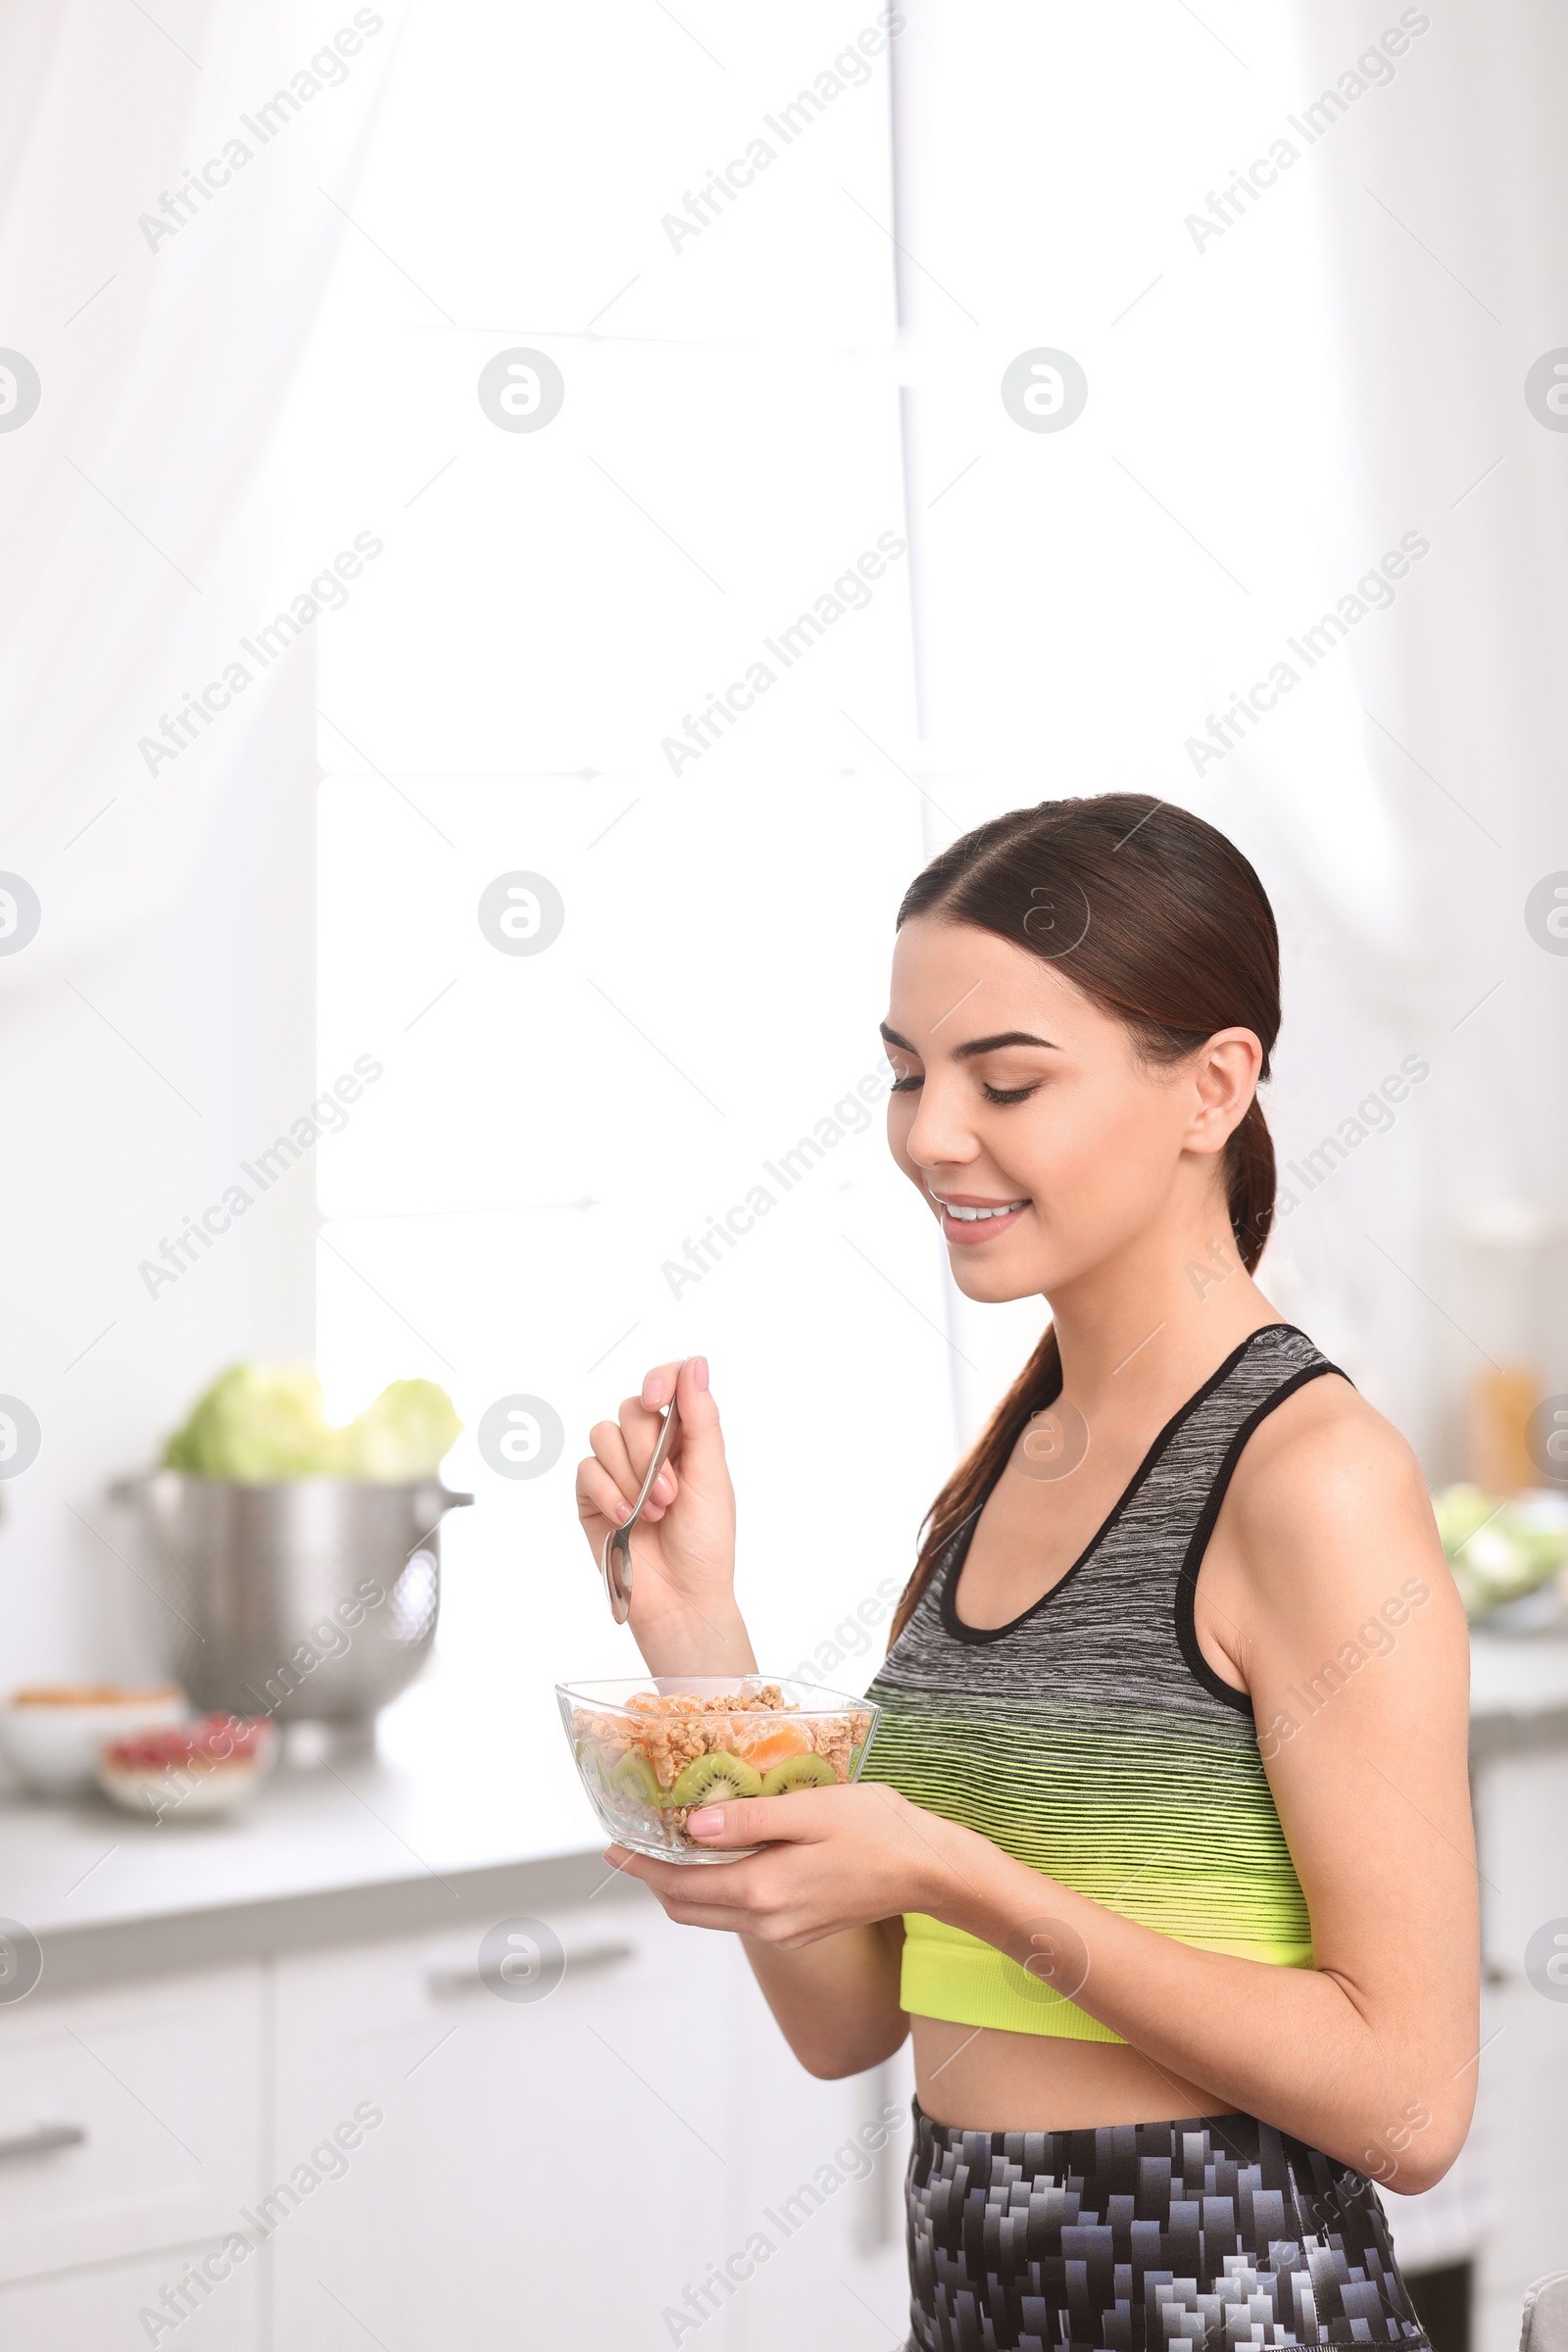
[543, 2171]
[1522, 2104]
[631, 2160]
[1521, 2111]
[131, 2119]
[120, 2307]
[823, 2195]
[626, 2162]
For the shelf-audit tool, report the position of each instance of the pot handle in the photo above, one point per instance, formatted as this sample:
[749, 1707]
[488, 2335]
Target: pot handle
[436, 1500]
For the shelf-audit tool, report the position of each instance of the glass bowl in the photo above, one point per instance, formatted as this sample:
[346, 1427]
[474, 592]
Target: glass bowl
[649, 1752]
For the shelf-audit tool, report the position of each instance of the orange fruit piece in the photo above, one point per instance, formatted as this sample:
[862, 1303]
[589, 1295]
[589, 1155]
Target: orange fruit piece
[787, 1740]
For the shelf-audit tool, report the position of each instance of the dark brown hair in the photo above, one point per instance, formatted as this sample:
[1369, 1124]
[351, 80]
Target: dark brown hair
[1158, 919]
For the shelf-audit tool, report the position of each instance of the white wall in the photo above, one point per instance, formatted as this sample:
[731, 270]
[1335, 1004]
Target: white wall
[115, 1140]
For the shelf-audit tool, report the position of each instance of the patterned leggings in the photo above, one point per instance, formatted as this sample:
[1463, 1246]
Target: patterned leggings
[1217, 2229]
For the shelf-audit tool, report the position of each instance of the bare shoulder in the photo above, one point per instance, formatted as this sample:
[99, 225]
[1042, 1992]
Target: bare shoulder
[1328, 1512]
[1325, 1447]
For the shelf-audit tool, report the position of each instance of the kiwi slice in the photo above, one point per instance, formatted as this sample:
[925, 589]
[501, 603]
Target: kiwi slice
[591, 1764]
[798, 1771]
[708, 1780]
[633, 1780]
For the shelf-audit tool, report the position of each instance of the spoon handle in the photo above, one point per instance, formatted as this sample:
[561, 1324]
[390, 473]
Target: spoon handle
[666, 1438]
[616, 1557]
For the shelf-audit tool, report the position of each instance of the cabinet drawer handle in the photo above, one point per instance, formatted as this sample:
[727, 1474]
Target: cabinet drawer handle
[444, 1983]
[42, 2137]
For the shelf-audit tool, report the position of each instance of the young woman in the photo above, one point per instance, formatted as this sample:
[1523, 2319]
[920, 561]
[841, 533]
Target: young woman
[1163, 1852]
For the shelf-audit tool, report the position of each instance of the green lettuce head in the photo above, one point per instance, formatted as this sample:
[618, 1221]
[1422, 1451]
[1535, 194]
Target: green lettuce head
[260, 1424]
[403, 1434]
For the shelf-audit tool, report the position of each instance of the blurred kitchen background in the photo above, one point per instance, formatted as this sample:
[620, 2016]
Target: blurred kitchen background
[422, 431]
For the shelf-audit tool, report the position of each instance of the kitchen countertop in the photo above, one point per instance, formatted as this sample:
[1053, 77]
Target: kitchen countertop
[1518, 1692]
[468, 1809]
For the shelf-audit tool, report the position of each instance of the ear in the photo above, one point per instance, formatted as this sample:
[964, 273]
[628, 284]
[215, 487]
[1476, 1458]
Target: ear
[1225, 1074]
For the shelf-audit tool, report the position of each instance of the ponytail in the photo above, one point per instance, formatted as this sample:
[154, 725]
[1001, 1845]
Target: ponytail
[1250, 1185]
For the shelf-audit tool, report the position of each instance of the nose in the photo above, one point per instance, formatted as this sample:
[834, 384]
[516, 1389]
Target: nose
[940, 1135]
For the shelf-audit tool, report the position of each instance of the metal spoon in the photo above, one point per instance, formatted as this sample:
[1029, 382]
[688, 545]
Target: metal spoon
[615, 1558]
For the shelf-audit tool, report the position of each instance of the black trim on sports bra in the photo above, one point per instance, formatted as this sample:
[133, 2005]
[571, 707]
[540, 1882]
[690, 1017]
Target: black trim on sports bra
[979, 1634]
[1187, 1575]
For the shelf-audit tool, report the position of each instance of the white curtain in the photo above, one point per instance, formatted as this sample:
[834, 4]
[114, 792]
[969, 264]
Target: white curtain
[173, 186]
[159, 1022]
[1332, 376]
[1446, 219]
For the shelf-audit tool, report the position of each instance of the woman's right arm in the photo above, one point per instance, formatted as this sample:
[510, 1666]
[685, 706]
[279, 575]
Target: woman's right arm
[836, 2002]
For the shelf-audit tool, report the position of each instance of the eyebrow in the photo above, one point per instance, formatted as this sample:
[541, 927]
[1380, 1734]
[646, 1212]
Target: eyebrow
[976, 1044]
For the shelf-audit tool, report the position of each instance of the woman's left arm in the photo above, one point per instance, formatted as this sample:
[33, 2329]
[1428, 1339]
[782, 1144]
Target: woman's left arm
[1354, 1648]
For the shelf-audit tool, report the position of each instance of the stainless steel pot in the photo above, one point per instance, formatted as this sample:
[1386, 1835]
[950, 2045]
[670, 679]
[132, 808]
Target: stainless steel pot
[315, 1600]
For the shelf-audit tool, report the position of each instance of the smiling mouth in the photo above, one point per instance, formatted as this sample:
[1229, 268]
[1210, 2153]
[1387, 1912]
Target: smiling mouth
[974, 1220]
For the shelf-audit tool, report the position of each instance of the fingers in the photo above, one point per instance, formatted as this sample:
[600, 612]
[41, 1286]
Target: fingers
[642, 1418]
[691, 1897]
[598, 1494]
[741, 1899]
[624, 1448]
[640, 1432]
[699, 1446]
[760, 1820]
[672, 1882]
[624, 1452]
[687, 1383]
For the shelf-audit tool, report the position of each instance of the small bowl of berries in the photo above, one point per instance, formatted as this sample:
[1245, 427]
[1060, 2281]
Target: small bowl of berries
[187, 1771]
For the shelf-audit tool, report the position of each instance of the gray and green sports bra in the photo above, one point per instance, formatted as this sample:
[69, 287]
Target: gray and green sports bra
[1091, 1739]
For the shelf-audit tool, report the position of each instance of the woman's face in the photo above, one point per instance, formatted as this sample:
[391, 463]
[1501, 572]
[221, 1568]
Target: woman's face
[1015, 1095]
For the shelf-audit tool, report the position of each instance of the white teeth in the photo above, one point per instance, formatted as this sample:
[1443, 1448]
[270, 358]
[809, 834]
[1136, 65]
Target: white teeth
[974, 1216]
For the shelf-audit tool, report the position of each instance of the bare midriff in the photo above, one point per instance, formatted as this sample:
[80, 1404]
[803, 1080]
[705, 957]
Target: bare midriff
[984, 2079]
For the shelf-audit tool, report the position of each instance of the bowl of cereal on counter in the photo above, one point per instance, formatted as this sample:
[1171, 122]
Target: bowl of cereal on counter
[649, 1752]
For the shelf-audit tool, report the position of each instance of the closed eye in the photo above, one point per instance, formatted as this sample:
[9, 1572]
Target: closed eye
[1009, 1093]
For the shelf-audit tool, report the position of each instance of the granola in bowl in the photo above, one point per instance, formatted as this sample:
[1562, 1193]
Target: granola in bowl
[650, 1753]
